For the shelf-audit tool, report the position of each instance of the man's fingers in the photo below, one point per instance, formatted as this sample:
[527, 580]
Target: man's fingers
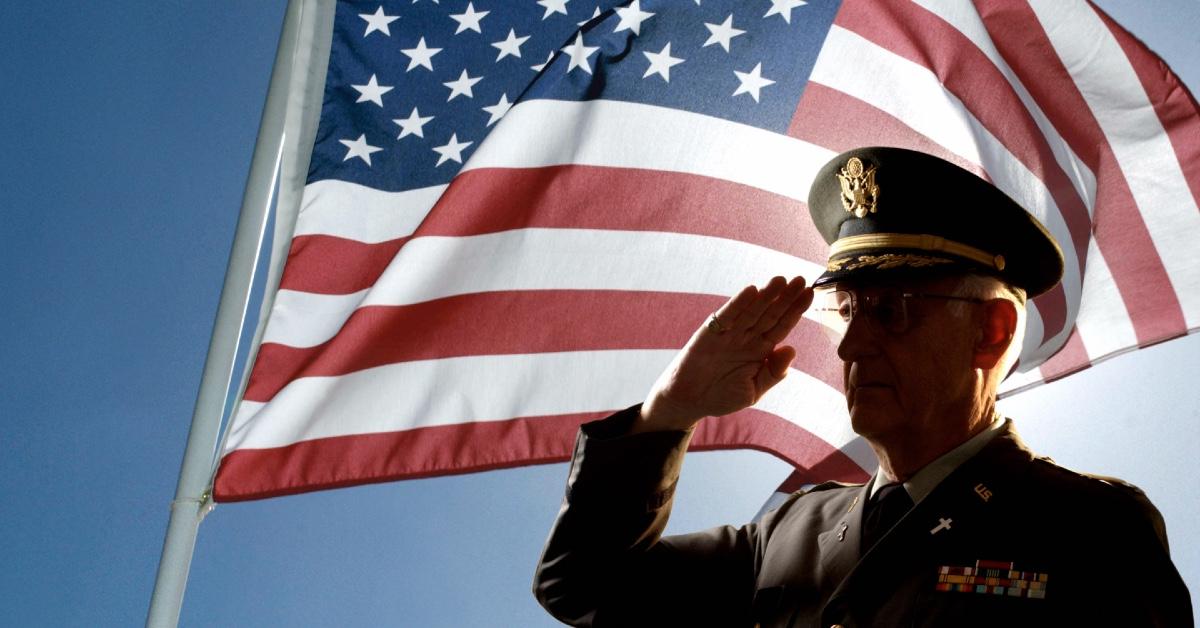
[760, 310]
[774, 369]
[779, 361]
[729, 312]
[770, 316]
[749, 315]
[787, 321]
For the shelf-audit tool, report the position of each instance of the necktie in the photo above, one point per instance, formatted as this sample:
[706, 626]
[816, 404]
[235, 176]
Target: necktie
[883, 511]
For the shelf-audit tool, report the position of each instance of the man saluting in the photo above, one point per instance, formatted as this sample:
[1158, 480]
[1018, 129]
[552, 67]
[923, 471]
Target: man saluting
[962, 525]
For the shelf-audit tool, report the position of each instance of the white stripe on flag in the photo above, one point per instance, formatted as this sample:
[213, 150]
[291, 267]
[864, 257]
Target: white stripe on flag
[430, 268]
[1141, 146]
[357, 212]
[1033, 352]
[502, 387]
[965, 19]
[633, 135]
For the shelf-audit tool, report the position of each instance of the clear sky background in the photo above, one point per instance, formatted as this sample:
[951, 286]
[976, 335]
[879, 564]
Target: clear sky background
[127, 130]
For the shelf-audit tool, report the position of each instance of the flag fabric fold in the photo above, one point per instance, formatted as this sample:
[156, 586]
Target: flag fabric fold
[517, 211]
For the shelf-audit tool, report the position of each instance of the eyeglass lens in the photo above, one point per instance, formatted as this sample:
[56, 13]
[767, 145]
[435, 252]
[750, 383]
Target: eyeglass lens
[885, 311]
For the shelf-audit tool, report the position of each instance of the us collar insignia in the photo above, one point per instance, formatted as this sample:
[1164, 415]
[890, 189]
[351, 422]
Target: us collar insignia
[859, 192]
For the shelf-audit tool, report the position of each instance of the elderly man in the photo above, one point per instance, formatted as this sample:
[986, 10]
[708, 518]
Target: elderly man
[962, 525]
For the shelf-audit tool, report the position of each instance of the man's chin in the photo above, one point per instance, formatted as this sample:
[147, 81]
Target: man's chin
[869, 417]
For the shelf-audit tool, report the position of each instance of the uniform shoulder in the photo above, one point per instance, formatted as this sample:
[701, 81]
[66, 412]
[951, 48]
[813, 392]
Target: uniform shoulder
[1107, 491]
[1102, 484]
[828, 486]
[823, 500]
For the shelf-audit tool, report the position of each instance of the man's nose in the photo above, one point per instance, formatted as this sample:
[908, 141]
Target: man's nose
[858, 339]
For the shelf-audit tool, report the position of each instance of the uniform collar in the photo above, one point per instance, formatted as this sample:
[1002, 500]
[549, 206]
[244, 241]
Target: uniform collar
[924, 481]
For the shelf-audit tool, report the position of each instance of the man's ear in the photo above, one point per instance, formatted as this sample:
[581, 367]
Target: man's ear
[996, 331]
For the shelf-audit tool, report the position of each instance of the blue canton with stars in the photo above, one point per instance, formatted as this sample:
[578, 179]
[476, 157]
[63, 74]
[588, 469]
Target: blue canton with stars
[414, 86]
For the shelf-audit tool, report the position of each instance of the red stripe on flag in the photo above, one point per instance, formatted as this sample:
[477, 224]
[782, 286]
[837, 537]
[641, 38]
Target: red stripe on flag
[324, 264]
[1176, 107]
[1120, 231]
[924, 38]
[482, 324]
[832, 468]
[577, 197]
[339, 461]
[837, 121]
[1071, 358]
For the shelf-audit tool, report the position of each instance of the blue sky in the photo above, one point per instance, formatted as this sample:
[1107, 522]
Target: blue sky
[128, 130]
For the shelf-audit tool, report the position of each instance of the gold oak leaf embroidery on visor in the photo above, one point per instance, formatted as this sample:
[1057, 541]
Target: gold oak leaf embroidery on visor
[884, 262]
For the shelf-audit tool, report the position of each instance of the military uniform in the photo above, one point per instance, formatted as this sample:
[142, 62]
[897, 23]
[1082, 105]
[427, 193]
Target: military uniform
[1007, 539]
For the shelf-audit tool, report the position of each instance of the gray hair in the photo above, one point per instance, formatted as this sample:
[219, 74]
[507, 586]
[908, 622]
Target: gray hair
[987, 287]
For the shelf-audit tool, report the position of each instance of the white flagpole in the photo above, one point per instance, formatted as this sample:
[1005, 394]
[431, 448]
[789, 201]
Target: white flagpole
[192, 500]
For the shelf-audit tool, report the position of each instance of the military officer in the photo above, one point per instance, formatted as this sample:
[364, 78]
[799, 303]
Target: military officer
[962, 525]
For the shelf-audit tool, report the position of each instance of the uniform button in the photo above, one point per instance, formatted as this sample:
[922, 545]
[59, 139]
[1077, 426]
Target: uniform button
[836, 626]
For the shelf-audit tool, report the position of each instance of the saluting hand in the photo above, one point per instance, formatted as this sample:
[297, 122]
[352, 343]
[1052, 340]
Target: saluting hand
[731, 361]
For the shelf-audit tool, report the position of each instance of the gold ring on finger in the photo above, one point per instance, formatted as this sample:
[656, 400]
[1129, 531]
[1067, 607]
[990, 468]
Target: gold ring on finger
[716, 325]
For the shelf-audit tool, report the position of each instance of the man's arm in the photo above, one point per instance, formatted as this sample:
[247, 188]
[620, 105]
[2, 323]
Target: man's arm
[605, 563]
[1163, 599]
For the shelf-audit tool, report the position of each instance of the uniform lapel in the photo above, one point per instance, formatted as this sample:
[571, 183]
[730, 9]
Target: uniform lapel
[958, 504]
[840, 544]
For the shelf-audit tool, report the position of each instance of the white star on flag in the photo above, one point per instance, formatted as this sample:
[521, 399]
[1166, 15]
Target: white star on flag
[414, 124]
[469, 19]
[752, 81]
[462, 85]
[421, 55]
[372, 91]
[378, 21]
[554, 6]
[722, 33]
[359, 148]
[579, 54]
[632, 17]
[498, 110]
[511, 45]
[451, 150]
[542, 66]
[661, 63]
[784, 8]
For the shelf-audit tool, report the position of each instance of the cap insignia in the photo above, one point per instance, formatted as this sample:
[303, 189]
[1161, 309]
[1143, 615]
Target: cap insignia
[859, 192]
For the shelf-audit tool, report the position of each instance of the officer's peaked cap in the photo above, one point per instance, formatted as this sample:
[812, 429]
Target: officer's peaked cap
[890, 211]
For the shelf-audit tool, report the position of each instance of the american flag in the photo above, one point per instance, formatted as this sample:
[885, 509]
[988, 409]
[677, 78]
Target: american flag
[516, 211]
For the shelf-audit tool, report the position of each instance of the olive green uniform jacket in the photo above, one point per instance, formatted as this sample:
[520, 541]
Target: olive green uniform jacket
[1064, 549]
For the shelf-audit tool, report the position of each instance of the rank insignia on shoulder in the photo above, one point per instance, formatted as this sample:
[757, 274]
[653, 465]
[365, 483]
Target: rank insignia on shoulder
[992, 577]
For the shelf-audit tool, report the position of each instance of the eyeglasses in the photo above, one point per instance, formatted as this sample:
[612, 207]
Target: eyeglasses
[886, 311]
